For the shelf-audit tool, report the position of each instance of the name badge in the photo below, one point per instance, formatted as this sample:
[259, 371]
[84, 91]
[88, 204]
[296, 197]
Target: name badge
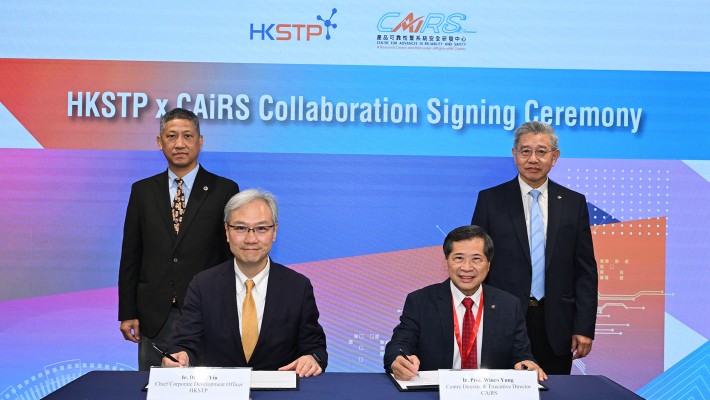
[498, 384]
[199, 383]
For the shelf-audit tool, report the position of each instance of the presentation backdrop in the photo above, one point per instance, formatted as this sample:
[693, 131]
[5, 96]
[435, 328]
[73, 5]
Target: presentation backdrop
[375, 124]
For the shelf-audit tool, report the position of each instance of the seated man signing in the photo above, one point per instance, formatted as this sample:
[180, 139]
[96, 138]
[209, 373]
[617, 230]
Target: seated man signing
[461, 323]
[250, 311]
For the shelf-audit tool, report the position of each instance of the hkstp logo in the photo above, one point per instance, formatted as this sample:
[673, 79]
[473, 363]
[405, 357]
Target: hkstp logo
[436, 23]
[293, 31]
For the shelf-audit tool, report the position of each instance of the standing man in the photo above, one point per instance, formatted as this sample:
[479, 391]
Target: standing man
[250, 311]
[173, 230]
[544, 251]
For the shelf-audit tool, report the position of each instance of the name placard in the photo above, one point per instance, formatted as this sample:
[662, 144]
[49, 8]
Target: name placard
[199, 383]
[498, 384]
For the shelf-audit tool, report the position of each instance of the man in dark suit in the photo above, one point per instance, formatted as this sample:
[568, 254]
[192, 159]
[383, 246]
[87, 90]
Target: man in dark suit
[250, 311]
[460, 323]
[556, 282]
[173, 229]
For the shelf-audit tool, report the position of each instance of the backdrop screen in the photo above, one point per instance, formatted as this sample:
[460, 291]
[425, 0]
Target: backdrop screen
[375, 124]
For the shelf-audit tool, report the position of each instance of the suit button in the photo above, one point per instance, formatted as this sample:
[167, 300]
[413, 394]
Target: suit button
[175, 260]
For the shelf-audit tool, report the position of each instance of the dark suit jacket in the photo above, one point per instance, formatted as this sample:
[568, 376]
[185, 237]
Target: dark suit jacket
[156, 264]
[208, 329]
[571, 285]
[426, 329]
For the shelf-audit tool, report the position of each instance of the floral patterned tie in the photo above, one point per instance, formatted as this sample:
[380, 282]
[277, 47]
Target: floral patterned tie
[178, 205]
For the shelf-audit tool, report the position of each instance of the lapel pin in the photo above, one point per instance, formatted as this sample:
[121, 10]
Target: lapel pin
[493, 306]
[559, 197]
[205, 188]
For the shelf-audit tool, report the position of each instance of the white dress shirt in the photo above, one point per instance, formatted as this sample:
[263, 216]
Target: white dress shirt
[261, 281]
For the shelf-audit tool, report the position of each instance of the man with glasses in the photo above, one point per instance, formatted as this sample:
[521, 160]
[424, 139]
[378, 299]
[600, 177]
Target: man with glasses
[250, 311]
[544, 251]
[173, 230]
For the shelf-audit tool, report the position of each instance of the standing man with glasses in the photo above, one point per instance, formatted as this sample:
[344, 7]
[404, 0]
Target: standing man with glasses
[173, 230]
[544, 251]
[250, 311]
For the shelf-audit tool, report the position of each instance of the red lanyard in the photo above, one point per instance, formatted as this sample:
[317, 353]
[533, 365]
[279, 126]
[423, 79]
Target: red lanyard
[457, 331]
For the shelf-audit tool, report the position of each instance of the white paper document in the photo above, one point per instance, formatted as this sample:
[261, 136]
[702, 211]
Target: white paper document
[274, 380]
[425, 379]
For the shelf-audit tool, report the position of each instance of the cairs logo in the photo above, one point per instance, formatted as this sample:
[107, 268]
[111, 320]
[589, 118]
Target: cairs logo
[294, 31]
[432, 31]
[432, 23]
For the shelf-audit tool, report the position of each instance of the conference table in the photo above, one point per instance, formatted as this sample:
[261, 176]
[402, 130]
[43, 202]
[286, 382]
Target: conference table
[127, 385]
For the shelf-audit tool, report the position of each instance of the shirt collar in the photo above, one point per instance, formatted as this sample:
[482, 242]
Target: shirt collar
[525, 188]
[188, 180]
[459, 296]
[258, 279]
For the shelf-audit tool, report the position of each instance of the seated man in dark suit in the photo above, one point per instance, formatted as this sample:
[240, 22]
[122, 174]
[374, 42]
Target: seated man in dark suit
[250, 311]
[461, 323]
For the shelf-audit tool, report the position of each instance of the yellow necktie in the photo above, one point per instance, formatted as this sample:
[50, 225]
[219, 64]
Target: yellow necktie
[250, 325]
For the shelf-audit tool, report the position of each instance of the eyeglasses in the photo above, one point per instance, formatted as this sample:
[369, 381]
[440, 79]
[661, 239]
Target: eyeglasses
[541, 153]
[242, 230]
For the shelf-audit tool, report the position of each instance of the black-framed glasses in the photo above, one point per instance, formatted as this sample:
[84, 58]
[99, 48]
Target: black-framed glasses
[242, 230]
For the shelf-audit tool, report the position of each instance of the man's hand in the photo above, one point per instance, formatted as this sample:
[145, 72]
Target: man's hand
[304, 366]
[182, 357]
[581, 346]
[531, 366]
[405, 370]
[130, 330]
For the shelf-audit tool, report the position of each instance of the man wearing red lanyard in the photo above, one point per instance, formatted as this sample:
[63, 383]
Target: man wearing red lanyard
[461, 323]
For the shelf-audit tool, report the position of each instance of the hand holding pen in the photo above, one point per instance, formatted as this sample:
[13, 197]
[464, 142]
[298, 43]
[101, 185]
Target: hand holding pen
[170, 360]
[405, 366]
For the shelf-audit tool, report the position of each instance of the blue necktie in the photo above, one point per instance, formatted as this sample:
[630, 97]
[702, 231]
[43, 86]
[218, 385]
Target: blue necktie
[537, 247]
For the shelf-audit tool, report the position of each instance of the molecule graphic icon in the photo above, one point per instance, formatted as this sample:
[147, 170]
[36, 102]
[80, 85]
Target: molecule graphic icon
[328, 24]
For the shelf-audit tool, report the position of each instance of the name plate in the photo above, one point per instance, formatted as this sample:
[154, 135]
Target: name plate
[498, 384]
[199, 383]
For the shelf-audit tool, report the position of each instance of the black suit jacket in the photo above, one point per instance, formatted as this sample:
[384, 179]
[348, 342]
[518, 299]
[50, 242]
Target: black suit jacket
[426, 329]
[157, 264]
[571, 286]
[208, 329]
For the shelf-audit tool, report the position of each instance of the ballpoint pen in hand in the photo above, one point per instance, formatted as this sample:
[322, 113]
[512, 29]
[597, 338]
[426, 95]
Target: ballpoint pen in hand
[164, 353]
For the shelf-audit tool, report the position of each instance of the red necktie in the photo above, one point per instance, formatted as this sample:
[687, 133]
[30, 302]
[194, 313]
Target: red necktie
[469, 361]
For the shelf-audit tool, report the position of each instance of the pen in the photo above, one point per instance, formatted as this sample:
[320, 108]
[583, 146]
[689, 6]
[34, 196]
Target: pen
[403, 354]
[164, 353]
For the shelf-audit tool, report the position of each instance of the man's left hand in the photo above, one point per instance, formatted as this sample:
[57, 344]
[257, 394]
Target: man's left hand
[304, 366]
[581, 346]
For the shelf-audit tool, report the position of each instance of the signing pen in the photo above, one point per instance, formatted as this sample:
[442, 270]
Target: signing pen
[165, 354]
[403, 354]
